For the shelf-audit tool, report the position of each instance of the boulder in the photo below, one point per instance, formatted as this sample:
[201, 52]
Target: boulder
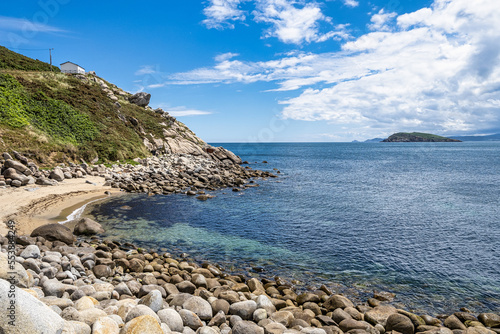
[244, 309]
[14, 272]
[400, 323]
[57, 174]
[190, 319]
[31, 251]
[379, 314]
[172, 319]
[54, 232]
[142, 324]
[16, 165]
[141, 310]
[31, 315]
[153, 300]
[452, 322]
[199, 306]
[247, 327]
[141, 99]
[490, 319]
[105, 325]
[337, 301]
[86, 226]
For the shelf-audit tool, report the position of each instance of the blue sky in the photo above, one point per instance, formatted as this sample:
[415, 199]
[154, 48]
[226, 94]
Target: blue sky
[283, 70]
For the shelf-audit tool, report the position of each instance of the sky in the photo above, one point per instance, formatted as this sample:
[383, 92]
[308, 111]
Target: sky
[283, 70]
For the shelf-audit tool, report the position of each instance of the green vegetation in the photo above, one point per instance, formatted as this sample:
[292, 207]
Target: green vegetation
[417, 137]
[16, 61]
[19, 108]
[54, 117]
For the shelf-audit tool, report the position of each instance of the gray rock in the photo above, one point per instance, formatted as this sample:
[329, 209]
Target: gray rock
[141, 310]
[141, 99]
[283, 317]
[123, 289]
[186, 287]
[9, 163]
[54, 232]
[153, 300]
[31, 251]
[379, 314]
[90, 315]
[337, 301]
[265, 303]
[190, 319]
[14, 273]
[274, 328]
[452, 322]
[247, 327]
[57, 174]
[102, 270]
[32, 265]
[105, 325]
[31, 315]
[490, 319]
[244, 309]
[206, 330]
[400, 323]
[339, 315]
[86, 226]
[172, 319]
[199, 306]
[79, 327]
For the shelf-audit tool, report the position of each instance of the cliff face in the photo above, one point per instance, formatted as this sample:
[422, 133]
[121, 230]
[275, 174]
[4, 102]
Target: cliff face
[417, 137]
[53, 117]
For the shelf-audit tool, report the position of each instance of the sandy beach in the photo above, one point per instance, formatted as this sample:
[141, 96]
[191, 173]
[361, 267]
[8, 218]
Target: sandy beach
[33, 206]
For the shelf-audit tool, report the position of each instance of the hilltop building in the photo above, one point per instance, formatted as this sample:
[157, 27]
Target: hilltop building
[69, 67]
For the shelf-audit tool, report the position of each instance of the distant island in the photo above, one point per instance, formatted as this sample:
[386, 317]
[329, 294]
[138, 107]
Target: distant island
[412, 137]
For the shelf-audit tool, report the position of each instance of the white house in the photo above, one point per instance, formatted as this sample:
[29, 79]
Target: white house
[69, 67]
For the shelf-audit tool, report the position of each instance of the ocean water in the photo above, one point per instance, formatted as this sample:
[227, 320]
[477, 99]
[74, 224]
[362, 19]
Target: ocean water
[421, 220]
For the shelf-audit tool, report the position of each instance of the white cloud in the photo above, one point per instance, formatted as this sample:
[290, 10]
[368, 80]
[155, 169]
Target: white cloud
[296, 22]
[221, 13]
[380, 21]
[225, 56]
[183, 111]
[291, 21]
[436, 70]
[146, 69]
[351, 3]
[27, 26]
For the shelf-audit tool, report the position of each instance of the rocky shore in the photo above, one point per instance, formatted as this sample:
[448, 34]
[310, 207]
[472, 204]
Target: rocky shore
[56, 282]
[173, 173]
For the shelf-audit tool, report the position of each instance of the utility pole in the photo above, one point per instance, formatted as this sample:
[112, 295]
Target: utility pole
[50, 53]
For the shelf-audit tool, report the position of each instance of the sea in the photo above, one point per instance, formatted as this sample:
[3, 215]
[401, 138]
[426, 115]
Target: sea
[420, 220]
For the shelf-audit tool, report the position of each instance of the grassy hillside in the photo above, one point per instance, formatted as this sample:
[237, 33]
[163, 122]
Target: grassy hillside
[16, 61]
[53, 117]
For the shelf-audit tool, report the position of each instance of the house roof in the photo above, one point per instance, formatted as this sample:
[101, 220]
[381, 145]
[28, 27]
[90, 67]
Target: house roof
[71, 63]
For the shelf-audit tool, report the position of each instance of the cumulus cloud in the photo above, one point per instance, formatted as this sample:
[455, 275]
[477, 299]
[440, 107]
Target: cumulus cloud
[222, 13]
[351, 3]
[436, 69]
[380, 21]
[290, 21]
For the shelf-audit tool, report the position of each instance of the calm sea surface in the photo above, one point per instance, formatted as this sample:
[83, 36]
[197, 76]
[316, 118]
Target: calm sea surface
[421, 220]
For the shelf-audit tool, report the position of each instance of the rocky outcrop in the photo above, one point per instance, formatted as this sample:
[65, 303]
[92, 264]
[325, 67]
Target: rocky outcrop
[141, 99]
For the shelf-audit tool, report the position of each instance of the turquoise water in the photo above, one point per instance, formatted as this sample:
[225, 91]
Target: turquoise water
[417, 219]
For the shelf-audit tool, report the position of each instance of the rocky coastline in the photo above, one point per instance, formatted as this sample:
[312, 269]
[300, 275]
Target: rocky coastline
[173, 173]
[62, 280]
[71, 281]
